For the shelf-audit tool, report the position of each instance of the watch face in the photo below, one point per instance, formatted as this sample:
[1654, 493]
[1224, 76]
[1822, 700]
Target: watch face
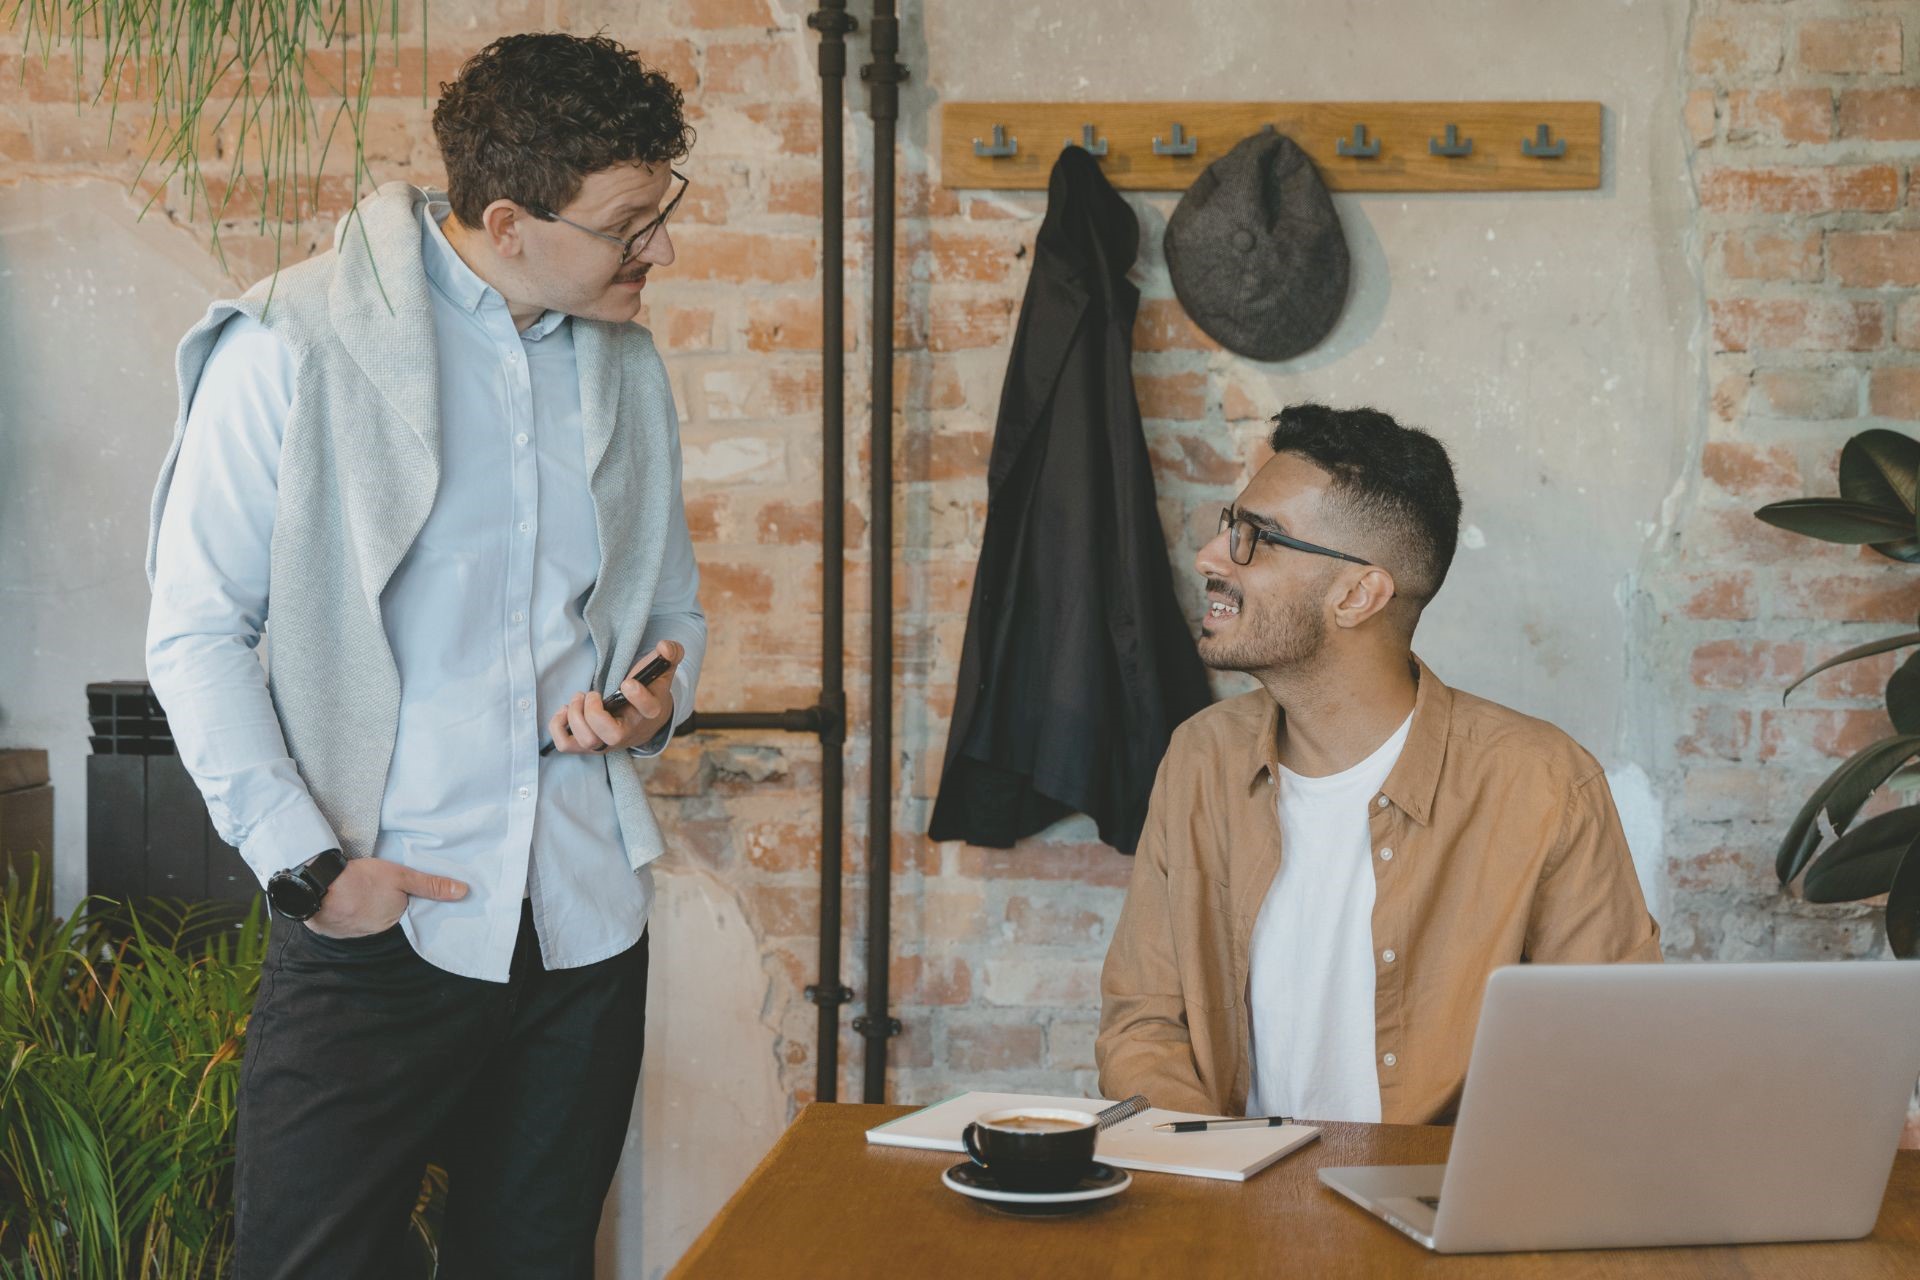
[292, 896]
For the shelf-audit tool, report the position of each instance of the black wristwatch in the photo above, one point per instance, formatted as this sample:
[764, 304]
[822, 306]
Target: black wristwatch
[295, 893]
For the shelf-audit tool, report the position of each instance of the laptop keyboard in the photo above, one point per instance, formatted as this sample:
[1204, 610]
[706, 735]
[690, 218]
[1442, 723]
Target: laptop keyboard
[1432, 1202]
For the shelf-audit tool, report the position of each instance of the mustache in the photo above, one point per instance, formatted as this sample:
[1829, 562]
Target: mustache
[1220, 587]
[630, 277]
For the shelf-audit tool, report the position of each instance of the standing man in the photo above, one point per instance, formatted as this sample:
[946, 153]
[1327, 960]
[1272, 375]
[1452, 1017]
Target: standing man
[1335, 862]
[438, 469]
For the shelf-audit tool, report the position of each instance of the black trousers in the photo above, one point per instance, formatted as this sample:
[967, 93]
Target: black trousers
[364, 1063]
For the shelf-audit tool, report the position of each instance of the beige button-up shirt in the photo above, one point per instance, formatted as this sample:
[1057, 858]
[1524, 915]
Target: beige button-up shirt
[1495, 842]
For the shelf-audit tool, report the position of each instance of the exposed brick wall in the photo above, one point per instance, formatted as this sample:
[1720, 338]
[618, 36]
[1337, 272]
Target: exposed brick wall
[1804, 119]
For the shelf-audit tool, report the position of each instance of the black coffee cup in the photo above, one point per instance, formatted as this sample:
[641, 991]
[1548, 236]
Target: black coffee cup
[1033, 1148]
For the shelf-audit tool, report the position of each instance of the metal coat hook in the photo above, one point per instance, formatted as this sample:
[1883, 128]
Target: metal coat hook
[1182, 144]
[1002, 144]
[1538, 145]
[1358, 147]
[1087, 142]
[1453, 146]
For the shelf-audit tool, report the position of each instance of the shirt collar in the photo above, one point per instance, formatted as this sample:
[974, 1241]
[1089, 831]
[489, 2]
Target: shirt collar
[456, 280]
[1415, 777]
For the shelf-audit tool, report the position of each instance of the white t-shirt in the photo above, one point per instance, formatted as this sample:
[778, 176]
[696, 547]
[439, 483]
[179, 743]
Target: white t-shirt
[1310, 979]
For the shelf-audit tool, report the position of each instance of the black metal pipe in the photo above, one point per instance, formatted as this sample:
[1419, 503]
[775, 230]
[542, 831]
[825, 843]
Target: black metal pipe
[834, 23]
[798, 720]
[883, 76]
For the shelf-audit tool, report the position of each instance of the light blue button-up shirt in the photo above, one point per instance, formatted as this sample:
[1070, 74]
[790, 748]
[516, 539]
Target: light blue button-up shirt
[484, 618]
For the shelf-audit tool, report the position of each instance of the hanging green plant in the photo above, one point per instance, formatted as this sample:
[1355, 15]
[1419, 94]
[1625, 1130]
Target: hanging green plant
[288, 80]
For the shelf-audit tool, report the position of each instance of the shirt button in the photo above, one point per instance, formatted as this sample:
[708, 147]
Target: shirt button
[1386, 855]
[527, 702]
[1390, 1060]
[1386, 955]
[521, 438]
[1383, 802]
[519, 616]
[524, 526]
[524, 793]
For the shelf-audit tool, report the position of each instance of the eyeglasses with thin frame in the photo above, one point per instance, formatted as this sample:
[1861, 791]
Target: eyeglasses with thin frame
[1244, 535]
[634, 245]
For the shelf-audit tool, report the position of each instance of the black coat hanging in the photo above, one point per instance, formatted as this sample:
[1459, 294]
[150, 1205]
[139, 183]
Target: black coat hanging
[1077, 664]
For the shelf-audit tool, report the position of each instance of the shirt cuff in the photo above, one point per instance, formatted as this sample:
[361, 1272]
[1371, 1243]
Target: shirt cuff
[287, 839]
[682, 708]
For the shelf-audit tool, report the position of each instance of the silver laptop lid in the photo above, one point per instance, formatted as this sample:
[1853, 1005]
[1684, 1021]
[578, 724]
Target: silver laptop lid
[1681, 1104]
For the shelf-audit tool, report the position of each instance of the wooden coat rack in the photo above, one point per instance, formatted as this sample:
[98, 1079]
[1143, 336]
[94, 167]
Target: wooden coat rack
[1357, 146]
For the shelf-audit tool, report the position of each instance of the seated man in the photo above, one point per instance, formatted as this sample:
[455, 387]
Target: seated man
[1334, 863]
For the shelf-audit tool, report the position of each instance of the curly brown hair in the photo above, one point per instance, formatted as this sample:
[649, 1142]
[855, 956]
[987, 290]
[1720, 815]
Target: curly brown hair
[530, 116]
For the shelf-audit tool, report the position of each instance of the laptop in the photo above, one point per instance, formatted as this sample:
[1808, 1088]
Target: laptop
[1617, 1106]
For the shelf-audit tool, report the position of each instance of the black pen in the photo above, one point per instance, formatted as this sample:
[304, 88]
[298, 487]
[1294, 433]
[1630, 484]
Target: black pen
[1208, 1126]
[616, 700]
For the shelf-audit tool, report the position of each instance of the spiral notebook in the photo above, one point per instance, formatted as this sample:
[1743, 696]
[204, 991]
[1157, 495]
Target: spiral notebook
[1233, 1155]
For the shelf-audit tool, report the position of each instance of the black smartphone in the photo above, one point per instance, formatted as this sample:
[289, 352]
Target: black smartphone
[647, 675]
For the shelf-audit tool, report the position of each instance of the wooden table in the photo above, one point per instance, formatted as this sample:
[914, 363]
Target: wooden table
[824, 1203]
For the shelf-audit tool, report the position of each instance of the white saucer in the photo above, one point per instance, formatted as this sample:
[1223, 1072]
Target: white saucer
[1102, 1180]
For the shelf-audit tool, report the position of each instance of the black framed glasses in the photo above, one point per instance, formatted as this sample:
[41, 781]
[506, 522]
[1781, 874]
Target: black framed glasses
[1244, 535]
[636, 244]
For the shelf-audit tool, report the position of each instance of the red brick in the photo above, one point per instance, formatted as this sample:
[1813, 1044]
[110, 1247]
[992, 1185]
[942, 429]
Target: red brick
[782, 911]
[1702, 116]
[930, 981]
[1180, 397]
[1805, 393]
[1850, 46]
[1884, 592]
[719, 15]
[1874, 259]
[784, 846]
[743, 585]
[401, 74]
[1718, 733]
[797, 123]
[1746, 665]
[1880, 115]
[15, 142]
[243, 201]
[1040, 922]
[1729, 398]
[1862, 188]
[1909, 324]
[1796, 324]
[960, 325]
[1752, 471]
[1162, 324]
[1043, 860]
[795, 193]
[681, 328]
[1828, 733]
[1187, 454]
[784, 324]
[759, 69]
[1770, 255]
[1735, 45]
[1864, 678]
[1895, 392]
[1777, 116]
[961, 257]
[1239, 405]
[721, 254]
[1720, 597]
[997, 1046]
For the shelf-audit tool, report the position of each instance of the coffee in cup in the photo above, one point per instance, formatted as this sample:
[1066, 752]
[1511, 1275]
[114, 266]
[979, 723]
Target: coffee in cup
[1033, 1148]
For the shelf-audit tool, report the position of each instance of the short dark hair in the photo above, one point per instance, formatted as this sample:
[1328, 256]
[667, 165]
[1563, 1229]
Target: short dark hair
[530, 116]
[1396, 479]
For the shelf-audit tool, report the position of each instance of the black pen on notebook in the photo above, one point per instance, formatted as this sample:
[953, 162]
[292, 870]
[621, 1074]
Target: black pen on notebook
[1208, 1126]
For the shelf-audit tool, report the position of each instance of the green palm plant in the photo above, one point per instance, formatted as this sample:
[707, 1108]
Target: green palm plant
[1835, 860]
[287, 80]
[123, 1032]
